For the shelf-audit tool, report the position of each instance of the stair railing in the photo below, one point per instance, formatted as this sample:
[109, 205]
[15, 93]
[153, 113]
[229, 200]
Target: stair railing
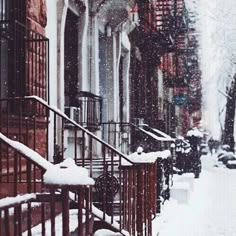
[29, 204]
[50, 132]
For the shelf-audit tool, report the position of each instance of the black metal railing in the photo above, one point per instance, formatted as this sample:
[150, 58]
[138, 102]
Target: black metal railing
[157, 23]
[165, 21]
[88, 110]
[32, 126]
[127, 137]
[116, 192]
[11, 10]
[30, 201]
[117, 135]
[24, 61]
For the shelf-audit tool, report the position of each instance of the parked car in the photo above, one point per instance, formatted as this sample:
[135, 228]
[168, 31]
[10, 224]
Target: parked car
[231, 164]
[224, 157]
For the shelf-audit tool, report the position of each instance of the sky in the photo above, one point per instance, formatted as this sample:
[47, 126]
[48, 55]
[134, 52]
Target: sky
[215, 22]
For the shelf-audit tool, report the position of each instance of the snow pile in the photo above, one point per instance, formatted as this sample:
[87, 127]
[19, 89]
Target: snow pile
[232, 162]
[185, 178]
[100, 215]
[180, 191]
[67, 173]
[73, 225]
[106, 232]
[194, 133]
[210, 210]
[150, 157]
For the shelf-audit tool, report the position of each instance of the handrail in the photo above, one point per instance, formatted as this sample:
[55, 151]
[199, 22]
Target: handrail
[32, 115]
[38, 160]
[62, 115]
[24, 150]
[18, 200]
[158, 138]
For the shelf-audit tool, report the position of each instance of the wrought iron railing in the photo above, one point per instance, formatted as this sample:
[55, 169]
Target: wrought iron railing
[88, 110]
[118, 135]
[42, 128]
[127, 137]
[11, 10]
[165, 21]
[30, 202]
[24, 61]
[181, 16]
[157, 24]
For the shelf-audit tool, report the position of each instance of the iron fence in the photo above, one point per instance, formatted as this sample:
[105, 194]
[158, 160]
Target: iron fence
[24, 61]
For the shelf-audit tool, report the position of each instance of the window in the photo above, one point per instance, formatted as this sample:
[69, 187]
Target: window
[10, 12]
[71, 60]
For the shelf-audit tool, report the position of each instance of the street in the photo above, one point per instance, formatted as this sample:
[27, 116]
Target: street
[211, 210]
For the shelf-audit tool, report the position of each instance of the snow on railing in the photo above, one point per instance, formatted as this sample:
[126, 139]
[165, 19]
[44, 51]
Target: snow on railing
[26, 151]
[149, 157]
[155, 133]
[67, 173]
[63, 115]
[194, 133]
[19, 199]
[99, 214]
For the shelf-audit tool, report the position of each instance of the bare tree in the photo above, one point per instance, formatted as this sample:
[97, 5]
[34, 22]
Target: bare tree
[228, 137]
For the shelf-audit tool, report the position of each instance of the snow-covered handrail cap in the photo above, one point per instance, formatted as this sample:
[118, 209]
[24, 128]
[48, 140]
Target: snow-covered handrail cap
[149, 157]
[67, 173]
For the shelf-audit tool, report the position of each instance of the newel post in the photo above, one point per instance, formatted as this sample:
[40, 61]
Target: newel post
[146, 197]
[67, 177]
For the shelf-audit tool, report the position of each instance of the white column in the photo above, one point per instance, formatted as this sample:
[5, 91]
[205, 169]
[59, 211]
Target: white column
[93, 55]
[61, 20]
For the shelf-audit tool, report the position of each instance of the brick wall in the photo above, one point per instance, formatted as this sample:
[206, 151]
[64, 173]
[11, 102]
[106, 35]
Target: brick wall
[36, 14]
[36, 64]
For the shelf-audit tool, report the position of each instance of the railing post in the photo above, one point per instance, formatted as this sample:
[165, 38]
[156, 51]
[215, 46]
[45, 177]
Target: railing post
[65, 212]
[139, 200]
[53, 214]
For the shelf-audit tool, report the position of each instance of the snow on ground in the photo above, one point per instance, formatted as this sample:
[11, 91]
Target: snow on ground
[211, 210]
[37, 230]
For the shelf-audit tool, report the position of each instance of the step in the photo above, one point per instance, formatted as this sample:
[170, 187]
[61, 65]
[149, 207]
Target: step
[106, 232]
[180, 191]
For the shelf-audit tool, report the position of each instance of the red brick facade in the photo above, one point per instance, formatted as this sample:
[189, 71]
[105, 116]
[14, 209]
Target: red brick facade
[36, 14]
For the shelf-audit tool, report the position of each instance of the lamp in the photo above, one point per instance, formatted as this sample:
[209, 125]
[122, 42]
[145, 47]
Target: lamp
[108, 30]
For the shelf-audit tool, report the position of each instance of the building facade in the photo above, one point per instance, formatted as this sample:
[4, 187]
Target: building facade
[92, 81]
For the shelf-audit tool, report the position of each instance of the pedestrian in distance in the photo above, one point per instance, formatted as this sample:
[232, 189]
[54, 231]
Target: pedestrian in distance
[211, 145]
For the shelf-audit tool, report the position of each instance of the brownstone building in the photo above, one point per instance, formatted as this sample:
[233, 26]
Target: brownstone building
[113, 76]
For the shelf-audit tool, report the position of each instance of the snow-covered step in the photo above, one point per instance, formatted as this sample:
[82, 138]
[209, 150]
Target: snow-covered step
[180, 191]
[187, 178]
[106, 232]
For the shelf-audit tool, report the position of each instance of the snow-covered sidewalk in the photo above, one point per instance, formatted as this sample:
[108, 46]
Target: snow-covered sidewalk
[211, 209]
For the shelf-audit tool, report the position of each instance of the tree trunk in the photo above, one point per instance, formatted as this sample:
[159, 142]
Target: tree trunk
[230, 116]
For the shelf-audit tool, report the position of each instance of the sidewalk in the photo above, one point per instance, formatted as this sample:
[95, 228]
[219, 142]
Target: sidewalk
[211, 209]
